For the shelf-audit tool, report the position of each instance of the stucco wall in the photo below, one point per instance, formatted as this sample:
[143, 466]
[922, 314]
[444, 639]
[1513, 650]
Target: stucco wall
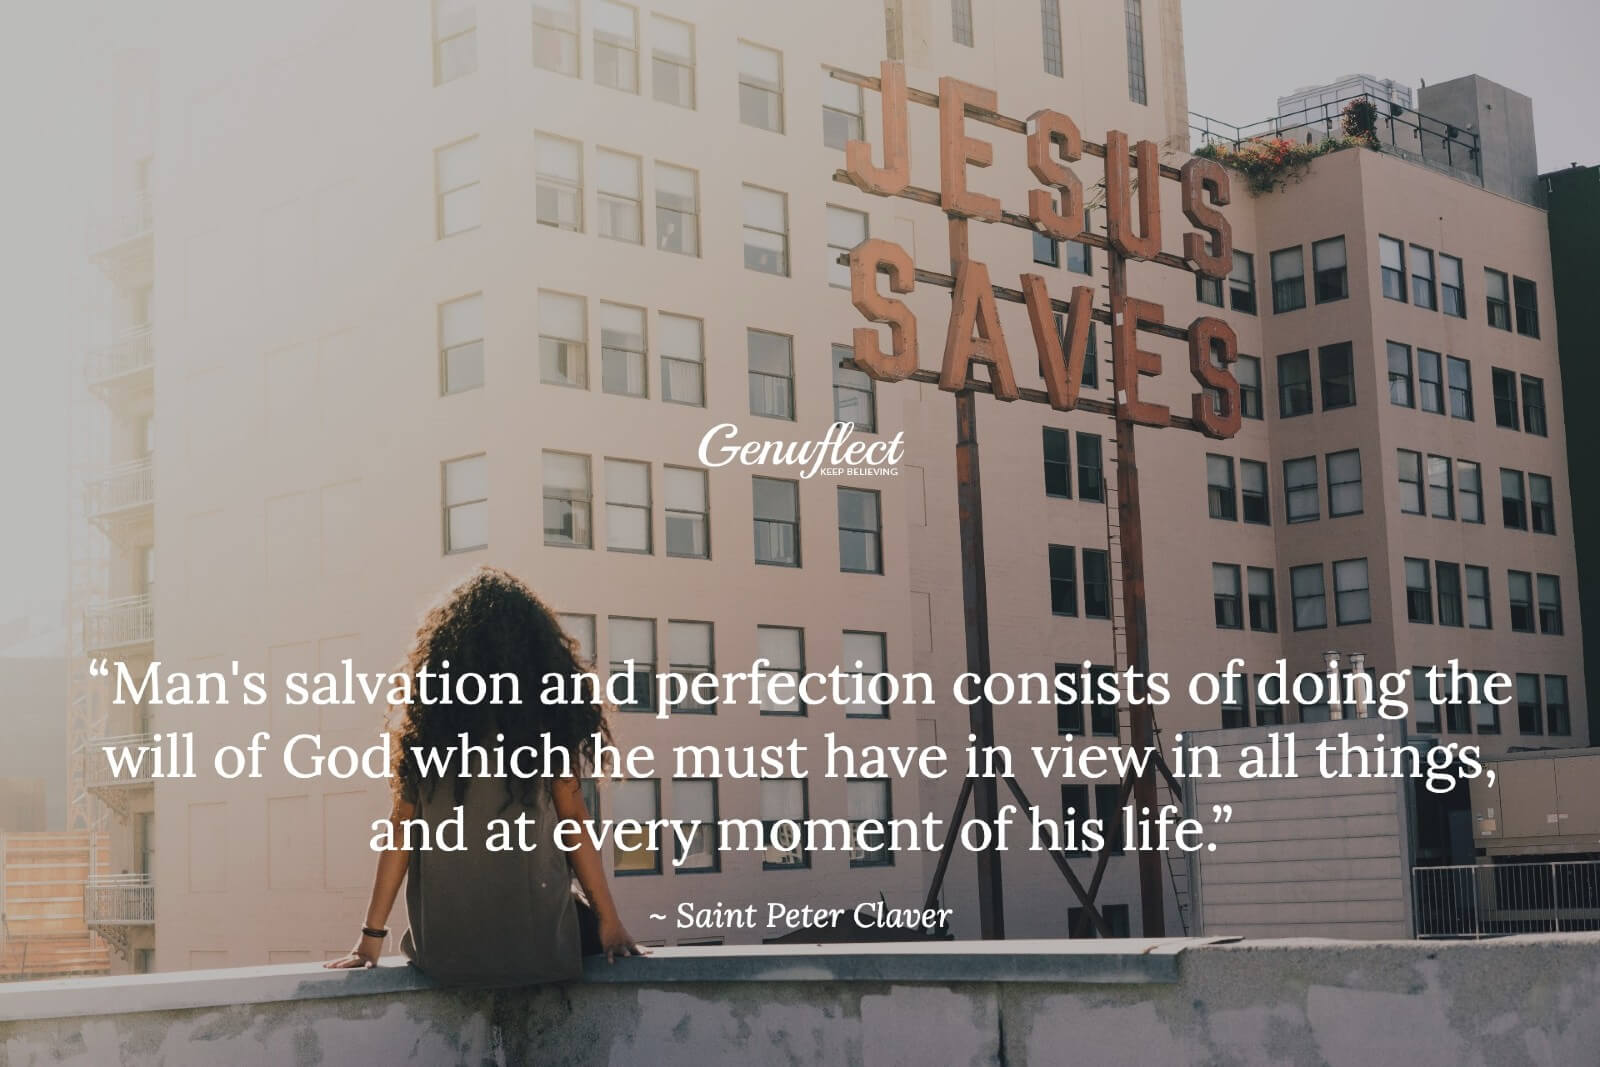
[1514, 1001]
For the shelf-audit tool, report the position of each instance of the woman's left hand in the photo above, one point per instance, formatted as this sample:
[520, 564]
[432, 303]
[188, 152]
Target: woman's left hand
[616, 941]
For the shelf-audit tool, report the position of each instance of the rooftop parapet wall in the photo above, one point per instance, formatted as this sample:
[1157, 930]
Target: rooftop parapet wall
[1513, 1001]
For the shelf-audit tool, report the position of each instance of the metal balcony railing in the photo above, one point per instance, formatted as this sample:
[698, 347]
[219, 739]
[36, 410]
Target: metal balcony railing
[121, 489]
[118, 623]
[97, 767]
[1399, 129]
[137, 221]
[119, 900]
[1495, 899]
[132, 354]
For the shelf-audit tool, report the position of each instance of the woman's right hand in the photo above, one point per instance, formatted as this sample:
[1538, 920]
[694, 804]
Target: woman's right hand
[365, 954]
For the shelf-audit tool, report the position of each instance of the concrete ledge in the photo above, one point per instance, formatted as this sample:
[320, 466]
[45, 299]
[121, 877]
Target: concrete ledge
[1096, 962]
[1516, 1001]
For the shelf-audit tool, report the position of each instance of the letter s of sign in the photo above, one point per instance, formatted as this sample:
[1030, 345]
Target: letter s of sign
[1212, 257]
[865, 261]
[1046, 130]
[1208, 335]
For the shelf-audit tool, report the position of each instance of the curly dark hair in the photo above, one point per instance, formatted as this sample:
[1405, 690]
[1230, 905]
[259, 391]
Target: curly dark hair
[489, 624]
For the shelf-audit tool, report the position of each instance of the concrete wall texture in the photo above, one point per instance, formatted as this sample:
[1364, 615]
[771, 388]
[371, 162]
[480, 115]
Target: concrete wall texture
[1516, 1001]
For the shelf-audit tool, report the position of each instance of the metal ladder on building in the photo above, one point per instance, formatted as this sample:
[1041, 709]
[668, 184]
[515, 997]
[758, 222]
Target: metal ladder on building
[1177, 865]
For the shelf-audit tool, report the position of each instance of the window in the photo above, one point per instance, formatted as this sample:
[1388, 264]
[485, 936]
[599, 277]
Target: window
[567, 499]
[1096, 584]
[694, 803]
[628, 520]
[1288, 279]
[843, 113]
[1401, 391]
[1309, 596]
[636, 799]
[1220, 495]
[1485, 713]
[677, 210]
[1448, 580]
[1263, 600]
[1392, 265]
[1527, 297]
[622, 350]
[1337, 366]
[1267, 714]
[687, 511]
[783, 809]
[1513, 505]
[1133, 12]
[1504, 383]
[1080, 257]
[771, 358]
[1479, 615]
[555, 36]
[777, 521]
[760, 87]
[1451, 287]
[1208, 290]
[1050, 34]
[868, 799]
[863, 654]
[1344, 483]
[1422, 291]
[1410, 464]
[1069, 717]
[766, 231]
[455, 40]
[1458, 715]
[689, 654]
[1533, 405]
[618, 198]
[1115, 916]
[563, 349]
[784, 648]
[1352, 596]
[683, 359]
[846, 229]
[1424, 712]
[1520, 596]
[1541, 504]
[1108, 809]
[1497, 295]
[1430, 379]
[466, 503]
[1441, 489]
[616, 45]
[961, 22]
[456, 179]
[1557, 715]
[1046, 250]
[1102, 703]
[1253, 492]
[860, 531]
[581, 629]
[1248, 372]
[1294, 384]
[1419, 591]
[1091, 480]
[1469, 490]
[854, 393]
[672, 61]
[558, 182]
[461, 344]
[1328, 267]
[1075, 812]
[1057, 463]
[1226, 603]
[1530, 709]
[1302, 503]
[1549, 604]
[1242, 283]
[1460, 377]
[1063, 580]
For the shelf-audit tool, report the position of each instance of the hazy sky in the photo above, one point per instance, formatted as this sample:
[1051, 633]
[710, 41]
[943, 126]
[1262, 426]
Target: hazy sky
[1242, 54]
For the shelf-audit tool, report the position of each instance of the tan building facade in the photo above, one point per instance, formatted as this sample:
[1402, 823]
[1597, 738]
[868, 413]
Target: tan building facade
[436, 294]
